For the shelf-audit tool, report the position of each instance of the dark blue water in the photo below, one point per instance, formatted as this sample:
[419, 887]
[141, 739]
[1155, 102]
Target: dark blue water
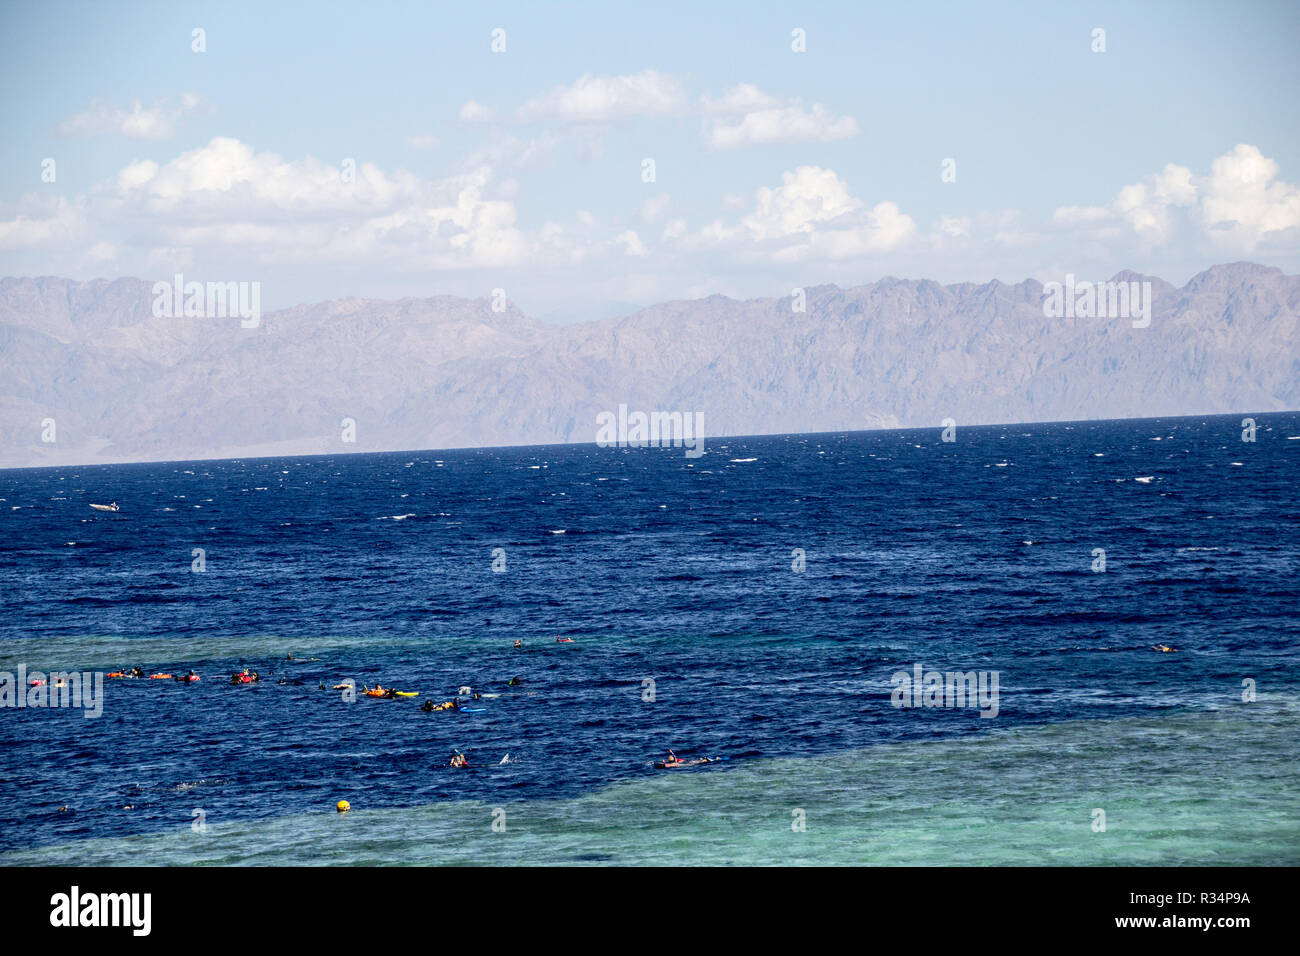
[972, 555]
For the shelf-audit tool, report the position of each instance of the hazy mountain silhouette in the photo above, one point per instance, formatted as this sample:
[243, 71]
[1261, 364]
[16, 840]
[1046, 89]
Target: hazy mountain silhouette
[122, 385]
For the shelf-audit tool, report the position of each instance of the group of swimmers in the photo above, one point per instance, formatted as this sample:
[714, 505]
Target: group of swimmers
[458, 759]
[247, 676]
[131, 673]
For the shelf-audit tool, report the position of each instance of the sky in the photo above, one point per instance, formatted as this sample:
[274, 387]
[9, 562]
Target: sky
[589, 159]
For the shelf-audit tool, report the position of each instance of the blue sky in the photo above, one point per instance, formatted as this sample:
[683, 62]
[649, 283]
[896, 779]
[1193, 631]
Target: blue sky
[1174, 149]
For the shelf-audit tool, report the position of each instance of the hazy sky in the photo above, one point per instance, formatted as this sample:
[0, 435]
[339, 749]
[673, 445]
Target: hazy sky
[385, 149]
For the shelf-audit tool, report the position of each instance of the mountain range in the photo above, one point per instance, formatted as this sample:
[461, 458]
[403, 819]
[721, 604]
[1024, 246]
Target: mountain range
[120, 384]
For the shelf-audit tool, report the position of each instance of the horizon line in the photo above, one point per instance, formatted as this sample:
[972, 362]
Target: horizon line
[706, 438]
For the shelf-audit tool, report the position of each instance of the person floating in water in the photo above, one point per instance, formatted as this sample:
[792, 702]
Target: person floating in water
[513, 682]
[458, 760]
[518, 642]
[1164, 648]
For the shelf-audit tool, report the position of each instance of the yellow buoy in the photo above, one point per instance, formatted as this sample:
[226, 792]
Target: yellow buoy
[344, 806]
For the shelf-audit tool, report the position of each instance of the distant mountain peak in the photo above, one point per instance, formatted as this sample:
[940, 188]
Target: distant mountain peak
[1229, 273]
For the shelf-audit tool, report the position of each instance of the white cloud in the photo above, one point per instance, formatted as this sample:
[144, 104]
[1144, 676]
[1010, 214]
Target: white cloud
[741, 98]
[785, 124]
[226, 203]
[1241, 205]
[811, 215]
[955, 227]
[1238, 205]
[881, 229]
[808, 196]
[226, 195]
[601, 99]
[742, 116]
[746, 116]
[47, 223]
[134, 122]
[474, 112]
[675, 229]
[228, 176]
[631, 243]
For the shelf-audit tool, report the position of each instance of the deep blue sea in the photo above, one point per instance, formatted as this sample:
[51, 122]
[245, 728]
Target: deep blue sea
[971, 555]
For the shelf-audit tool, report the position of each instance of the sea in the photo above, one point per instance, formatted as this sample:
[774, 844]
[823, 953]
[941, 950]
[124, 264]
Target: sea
[1124, 593]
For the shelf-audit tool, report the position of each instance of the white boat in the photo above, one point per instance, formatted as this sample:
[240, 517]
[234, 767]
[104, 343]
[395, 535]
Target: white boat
[110, 507]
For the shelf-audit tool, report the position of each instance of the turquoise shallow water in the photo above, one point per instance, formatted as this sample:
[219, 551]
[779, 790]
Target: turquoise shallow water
[1220, 786]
